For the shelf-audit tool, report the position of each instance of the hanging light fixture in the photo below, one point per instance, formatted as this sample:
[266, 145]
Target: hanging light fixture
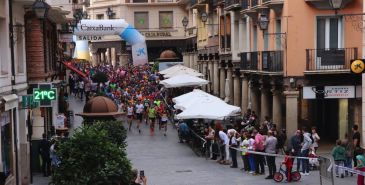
[40, 8]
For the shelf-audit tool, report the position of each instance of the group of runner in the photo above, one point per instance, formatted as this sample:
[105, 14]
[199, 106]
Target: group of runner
[136, 91]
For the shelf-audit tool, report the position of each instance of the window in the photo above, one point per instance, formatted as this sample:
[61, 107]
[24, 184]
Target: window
[254, 35]
[6, 141]
[141, 20]
[266, 40]
[19, 48]
[4, 62]
[166, 19]
[329, 32]
[100, 16]
[140, 1]
[278, 37]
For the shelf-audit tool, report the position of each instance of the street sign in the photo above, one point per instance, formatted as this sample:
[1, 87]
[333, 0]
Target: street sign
[44, 94]
[28, 103]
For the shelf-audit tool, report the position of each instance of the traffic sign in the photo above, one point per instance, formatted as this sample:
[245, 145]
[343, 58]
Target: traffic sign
[44, 94]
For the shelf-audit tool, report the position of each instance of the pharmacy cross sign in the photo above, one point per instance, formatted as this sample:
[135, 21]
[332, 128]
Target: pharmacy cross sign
[45, 94]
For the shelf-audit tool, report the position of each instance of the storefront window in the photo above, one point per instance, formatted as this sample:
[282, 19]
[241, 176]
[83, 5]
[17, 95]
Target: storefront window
[6, 141]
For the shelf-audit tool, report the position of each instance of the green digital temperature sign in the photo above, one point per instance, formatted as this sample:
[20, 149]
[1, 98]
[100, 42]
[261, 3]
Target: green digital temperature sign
[44, 94]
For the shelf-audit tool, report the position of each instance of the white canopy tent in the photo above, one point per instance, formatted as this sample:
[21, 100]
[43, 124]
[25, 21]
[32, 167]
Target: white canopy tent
[182, 81]
[179, 70]
[198, 104]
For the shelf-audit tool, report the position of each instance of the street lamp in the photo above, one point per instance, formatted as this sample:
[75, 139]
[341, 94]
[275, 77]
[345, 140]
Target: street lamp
[336, 4]
[263, 22]
[185, 22]
[109, 12]
[204, 17]
[40, 8]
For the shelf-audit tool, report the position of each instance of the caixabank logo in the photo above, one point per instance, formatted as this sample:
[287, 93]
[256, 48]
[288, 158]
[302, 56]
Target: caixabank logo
[357, 66]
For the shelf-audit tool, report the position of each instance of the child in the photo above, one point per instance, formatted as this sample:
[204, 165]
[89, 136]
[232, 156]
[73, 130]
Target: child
[251, 158]
[288, 162]
[339, 155]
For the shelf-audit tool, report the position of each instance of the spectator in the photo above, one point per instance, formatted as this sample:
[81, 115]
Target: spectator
[281, 137]
[360, 165]
[183, 131]
[244, 144]
[270, 148]
[224, 142]
[233, 144]
[137, 179]
[304, 151]
[259, 147]
[44, 147]
[251, 157]
[295, 146]
[349, 153]
[339, 156]
[356, 142]
[210, 142]
[316, 139]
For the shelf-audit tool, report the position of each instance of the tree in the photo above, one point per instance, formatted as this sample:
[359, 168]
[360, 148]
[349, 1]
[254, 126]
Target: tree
[94, 156]
[100, 77]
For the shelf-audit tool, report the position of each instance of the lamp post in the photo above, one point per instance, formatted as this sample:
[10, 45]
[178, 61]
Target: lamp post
[263, 22]
[336, 5]
[109, 13]
[185, 22]
[204, 17]
[40, 8]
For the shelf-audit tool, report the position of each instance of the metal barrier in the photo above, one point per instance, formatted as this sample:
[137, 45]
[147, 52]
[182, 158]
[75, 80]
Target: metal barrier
[198, 144]
[325, 170]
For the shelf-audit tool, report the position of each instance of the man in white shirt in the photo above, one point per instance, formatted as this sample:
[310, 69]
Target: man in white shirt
[224, 147]
[139, 112]
[130, 112]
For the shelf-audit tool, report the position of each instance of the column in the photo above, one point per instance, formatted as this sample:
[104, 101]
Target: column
[204, 71]
[265, 104]
[186, 59]
[254, 100]
[215, 78]
[291, 98]
[276, 108]
[245, 89]
[191, 60]
[210, 76]
[222, 81]
[230, 81]
[195, 59]
[113, 56]
[237, 90]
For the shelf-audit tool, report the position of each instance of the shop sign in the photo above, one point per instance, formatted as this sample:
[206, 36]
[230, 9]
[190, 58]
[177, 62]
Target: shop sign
[65, 37]
[60, 121]
[28, 103]
[89, 37]
[330, 92]
[157, 34]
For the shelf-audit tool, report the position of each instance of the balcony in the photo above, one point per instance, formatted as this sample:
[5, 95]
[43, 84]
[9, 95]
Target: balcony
[272, 61]
[254, 3]
[324, 4]
[336, 60]
[249, 61]
[232, 5]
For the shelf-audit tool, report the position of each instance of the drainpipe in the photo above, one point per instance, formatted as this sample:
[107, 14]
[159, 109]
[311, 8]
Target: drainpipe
[14, 112]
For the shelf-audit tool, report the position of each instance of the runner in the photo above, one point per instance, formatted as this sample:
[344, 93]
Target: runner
[139, 112]
[152, 118]
[164, 119]
[130, 112]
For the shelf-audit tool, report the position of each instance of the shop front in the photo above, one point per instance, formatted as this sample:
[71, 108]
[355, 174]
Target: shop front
[332, 109]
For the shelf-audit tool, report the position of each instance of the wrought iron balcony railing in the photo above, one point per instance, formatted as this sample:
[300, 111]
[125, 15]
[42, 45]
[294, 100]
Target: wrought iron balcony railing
[249, 60]
[272, 61]
[330, 58]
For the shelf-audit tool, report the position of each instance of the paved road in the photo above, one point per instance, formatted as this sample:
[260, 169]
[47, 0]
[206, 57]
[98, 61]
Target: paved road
[167, 162]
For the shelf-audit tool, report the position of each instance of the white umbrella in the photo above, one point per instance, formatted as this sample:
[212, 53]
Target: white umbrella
[173, 68]
[183, 80]
[188, 99]
[208, 108]
[190, 72]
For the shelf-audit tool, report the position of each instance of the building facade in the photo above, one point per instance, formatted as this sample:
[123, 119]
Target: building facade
[296, 75]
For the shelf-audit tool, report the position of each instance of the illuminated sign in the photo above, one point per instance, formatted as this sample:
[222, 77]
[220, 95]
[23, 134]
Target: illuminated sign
[44, 94]
[357, 66]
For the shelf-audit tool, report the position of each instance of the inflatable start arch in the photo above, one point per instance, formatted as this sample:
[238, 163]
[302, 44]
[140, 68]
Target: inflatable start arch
[112, 27]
